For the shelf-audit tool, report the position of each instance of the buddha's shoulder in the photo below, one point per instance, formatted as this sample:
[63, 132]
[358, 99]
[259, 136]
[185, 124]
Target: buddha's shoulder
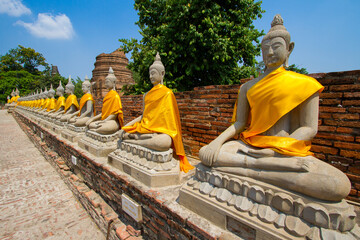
[298, 75]
[246, 86]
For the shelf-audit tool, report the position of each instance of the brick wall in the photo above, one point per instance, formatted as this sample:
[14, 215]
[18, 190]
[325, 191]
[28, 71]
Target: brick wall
[206, 112]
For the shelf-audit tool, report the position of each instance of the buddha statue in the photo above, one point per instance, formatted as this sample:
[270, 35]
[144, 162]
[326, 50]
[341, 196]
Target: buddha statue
[60, 102]
[276, 116]
[87, 110]
[14, 97]
[159, 126]
[110, 120]
[8, 99]
[41, 101]
[37, 100]
[71, 103]
[45, 102]
[52, 102]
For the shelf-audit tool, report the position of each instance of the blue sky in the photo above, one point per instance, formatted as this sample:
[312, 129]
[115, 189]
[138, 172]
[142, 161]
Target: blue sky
[71, 33]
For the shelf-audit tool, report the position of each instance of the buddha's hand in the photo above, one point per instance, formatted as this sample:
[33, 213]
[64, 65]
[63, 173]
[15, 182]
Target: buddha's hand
[88, 122]
[208, 154]
[259, 153]
[121, 134]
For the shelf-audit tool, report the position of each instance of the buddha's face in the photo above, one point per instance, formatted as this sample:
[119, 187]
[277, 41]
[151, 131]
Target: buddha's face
[109, 84]
[59, 92]
[274, 52]
[68, 90]
[51, 94]
[85, 88]
[155, 76]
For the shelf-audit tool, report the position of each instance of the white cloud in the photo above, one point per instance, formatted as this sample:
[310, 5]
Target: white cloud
[50, 27]
[13, 8]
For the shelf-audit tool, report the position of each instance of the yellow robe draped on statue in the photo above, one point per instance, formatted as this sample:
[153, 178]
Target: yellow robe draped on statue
[45, 104]
[112, 105]
[60, 102]
[41, 103]
[161, 115]
[51, 104]
[270, 99]
[86, 97]
[71, 100]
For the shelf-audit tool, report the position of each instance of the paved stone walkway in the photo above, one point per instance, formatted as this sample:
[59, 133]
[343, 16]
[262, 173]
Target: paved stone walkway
[35, 203]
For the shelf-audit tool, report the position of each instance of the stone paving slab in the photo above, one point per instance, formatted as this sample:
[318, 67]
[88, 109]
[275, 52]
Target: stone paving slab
[35, 203]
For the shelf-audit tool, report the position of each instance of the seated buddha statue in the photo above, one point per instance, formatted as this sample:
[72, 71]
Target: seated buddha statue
[52, 102]
[87, 109]
[159, 126]
[110, 120]
[10, 99]
[71, 103]
[60, 102]
[41, 101]
[45, 102]
[14, 97]
[276, 116]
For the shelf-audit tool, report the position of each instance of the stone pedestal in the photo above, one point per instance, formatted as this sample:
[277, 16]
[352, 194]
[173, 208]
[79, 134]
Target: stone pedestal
[256, 210]
[10, 108]
[152, 168]
[97, 144]
[72, 133]
[57, 126]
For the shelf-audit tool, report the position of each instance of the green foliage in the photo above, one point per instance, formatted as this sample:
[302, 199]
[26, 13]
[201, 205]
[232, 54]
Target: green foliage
[48, 80]
[297, 69]
[22, 58]
[260, 68]
[201, 42]
[20, 68]
[21, 79]
[78, 88]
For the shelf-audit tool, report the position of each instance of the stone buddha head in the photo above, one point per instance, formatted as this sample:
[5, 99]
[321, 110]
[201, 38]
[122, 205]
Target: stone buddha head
[13, 93]
[60, 90]
[86, 85]
[51, 92]
[46, 93]
[41, 94]
[110, 80]
[276, 46]
[69, 88]
[17, 93]
[157, 71]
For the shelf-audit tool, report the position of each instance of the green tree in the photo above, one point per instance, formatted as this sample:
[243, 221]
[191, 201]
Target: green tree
[21, 79]
[27, 70]
[78, 88]
[260, 68]
[22, 58]
[201, 42]
[296, 68]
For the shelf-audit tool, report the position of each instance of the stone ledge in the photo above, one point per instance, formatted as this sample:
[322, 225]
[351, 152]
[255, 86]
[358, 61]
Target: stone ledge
[163, 217]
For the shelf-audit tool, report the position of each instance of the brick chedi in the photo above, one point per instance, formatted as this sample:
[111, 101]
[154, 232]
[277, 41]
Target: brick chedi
[54, 71]
[118, 61]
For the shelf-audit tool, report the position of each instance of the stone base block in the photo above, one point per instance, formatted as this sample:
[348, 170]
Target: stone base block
[10, 109]
[148, 177]
[255, 210]
[72, 136]
[100, 146]
[56, 129]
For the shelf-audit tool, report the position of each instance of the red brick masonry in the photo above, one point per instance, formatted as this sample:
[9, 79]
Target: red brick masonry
[206, 112]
